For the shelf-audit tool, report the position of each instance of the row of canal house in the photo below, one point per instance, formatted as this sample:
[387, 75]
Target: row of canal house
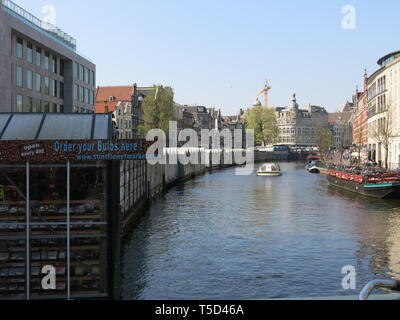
[377, 113]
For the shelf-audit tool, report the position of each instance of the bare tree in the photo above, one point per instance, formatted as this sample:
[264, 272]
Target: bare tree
[382, 130]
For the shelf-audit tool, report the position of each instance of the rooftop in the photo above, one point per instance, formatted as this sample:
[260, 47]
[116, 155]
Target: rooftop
[118, 93]
[49, 126]
[389, 58]
[342, 117]
[41, 26]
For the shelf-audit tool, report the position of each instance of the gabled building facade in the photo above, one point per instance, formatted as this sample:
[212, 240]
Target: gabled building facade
[341, 126]
[123, 103]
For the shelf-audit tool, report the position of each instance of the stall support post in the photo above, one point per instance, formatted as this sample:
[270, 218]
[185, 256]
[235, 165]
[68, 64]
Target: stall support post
[68, 234]
[28, 256]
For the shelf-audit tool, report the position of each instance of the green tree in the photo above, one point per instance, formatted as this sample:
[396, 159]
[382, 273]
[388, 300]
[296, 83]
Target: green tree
[324, 139]
[264, 123]
[158, 109]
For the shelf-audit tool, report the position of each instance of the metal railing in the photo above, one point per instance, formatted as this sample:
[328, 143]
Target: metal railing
[387, 284]
[48, 28]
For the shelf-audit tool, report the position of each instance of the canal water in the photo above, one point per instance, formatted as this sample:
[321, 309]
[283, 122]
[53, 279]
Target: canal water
[223, 236]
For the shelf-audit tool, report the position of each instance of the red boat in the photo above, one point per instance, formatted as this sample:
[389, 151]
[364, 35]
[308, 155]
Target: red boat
[379, 185]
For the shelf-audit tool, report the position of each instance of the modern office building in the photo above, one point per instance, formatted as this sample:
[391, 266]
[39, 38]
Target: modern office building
[41, 70]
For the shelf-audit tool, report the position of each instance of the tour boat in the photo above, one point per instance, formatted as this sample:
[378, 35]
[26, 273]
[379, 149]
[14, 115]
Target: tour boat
[378, 185]
[269, 169]
[316, 167]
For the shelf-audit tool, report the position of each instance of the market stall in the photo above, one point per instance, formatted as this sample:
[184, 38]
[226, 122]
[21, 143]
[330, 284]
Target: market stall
[59, 205]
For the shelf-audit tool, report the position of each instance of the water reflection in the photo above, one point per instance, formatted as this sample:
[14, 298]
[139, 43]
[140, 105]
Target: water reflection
[223, 236]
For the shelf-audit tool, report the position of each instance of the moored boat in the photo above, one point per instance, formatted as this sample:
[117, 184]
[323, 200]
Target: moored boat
[317, 167]
[377, 185]
[269, 169]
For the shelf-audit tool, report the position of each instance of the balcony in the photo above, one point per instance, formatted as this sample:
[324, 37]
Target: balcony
[39, 25]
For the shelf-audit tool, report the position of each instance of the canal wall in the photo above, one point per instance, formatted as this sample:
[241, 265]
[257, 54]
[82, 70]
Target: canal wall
[141, 182]
[265, 156]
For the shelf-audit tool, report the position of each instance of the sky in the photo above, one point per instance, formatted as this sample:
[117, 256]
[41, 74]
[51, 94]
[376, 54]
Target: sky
[218, 53]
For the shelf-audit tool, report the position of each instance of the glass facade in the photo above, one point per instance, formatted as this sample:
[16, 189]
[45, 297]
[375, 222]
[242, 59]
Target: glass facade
[45, 81]
[54, 217]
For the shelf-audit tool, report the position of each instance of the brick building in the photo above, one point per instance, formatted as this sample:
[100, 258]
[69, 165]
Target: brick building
[360, 117]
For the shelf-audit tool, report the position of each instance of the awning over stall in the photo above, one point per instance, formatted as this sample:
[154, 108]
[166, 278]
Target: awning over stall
[50, 126]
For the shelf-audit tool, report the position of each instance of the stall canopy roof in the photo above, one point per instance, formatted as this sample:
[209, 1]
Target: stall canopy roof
[52, 126]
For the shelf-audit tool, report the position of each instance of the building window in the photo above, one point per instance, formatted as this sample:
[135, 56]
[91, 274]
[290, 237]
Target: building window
[29, 80]
[47, 60]
[93, 79]
[81, 73]
[61, 108]
[29, 104]
[62, 67]
[91, 97]
[38, 57]
[19, 77]
[76, 66]
[38, 81]
[61, 90]
[46, 86]
[46, 107]
[29, 53]
[20, 103]
[20, 46]
[54, 88]
[38, 106]
[86, 95]
[54, 64]
[75, 92]
[81, 94]
[86, 75]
